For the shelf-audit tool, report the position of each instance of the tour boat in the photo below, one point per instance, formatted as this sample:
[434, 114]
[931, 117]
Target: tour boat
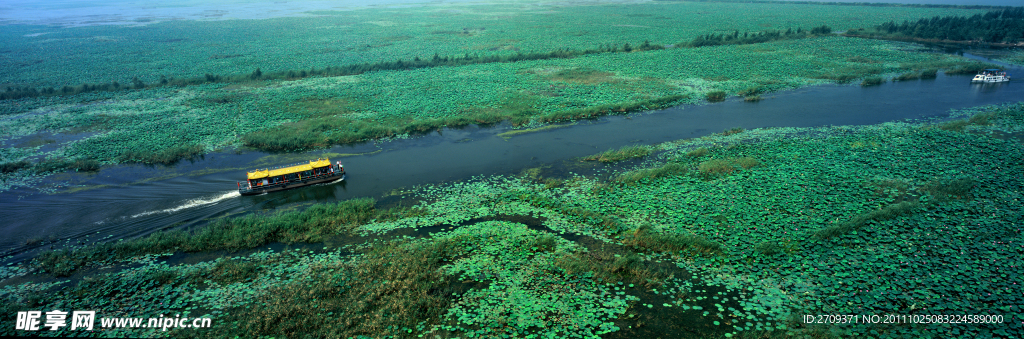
[991, 75]
[292, 176]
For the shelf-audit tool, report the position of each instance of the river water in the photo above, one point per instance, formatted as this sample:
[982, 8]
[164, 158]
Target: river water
[130, 201]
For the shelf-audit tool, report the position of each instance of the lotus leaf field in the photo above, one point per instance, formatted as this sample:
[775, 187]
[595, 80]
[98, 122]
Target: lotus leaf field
[193, 48]
[745, 234]
[161, 125]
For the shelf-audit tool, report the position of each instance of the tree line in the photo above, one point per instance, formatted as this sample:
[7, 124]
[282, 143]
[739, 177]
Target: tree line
[17, 92]
[735, 38]
[1002, 26]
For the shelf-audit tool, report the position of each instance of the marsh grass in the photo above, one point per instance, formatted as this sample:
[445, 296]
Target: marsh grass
[544, 243]
[731, 131]
[609, 266]
[886, 213]
[848, 73]
[601, 110]
[392, 288]
[898, 189]
[872, 81]
[955, 125]
[716, 96]
[716, 168]
[930, 73]
[907, 76]
[609, 223]
[582, 75]
[325, 131]
[752, 91]
[61, 165]
[624, 153]
[959, 125]
[513, 133]
[313, 224]
[972, 68]
[11, 167]
[662, 171]
[230, 271]
[943, 190]
[699, 152]
[752, 98]
[551, 183]
[643, 239]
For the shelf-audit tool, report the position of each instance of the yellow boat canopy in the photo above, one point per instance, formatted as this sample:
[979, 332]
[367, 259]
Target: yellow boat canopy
[260, 174]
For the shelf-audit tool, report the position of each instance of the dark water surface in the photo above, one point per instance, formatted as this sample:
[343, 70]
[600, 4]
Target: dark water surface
[134, 204]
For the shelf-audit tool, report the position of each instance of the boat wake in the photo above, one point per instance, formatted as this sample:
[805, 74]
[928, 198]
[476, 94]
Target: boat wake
[192, 203]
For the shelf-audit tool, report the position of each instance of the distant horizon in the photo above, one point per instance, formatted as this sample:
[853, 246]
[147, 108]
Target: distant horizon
[87, 13]
[1011, 3]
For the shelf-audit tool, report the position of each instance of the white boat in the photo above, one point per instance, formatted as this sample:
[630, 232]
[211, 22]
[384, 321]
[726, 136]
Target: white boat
[991, 75]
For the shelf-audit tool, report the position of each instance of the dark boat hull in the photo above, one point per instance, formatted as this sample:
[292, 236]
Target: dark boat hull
[290, 185]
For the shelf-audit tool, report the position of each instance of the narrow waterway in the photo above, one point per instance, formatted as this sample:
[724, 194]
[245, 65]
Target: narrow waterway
[129, 201]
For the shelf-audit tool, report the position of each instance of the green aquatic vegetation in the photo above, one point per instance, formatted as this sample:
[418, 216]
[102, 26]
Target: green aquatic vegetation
[858, 221]
[513, 133]
[698, 152]
[644, 239]
[716, 96]
[732, 131]
[930, 73]
[230, 271]
[949, 189]
[1014, 57]
[156, 124]
[609, 267]
[907, 232]
[11, 167]
[167, 156]
[366, 38]
[390, 289]
[907, 76]
[872, 81]
[716, 168]
[310, 225]
[623, 153]
[667, 169]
